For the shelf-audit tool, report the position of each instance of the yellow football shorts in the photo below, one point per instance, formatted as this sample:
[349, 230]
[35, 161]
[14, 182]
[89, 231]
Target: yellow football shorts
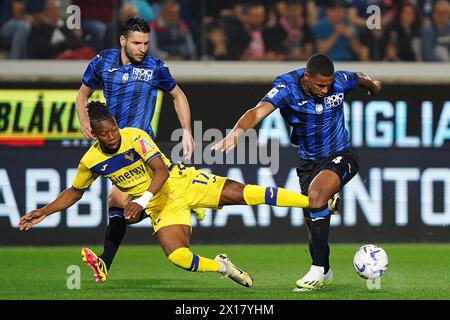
[186, 188]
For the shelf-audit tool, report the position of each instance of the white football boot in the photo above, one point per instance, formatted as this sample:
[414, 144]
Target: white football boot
[313, 280]
[328, 277]
[234, 273]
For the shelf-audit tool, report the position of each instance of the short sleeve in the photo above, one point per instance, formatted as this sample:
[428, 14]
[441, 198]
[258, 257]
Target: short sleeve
[163, 79]
[278, 96]
[145, 146]
[92, 77]
[349, 80]
[84, 177]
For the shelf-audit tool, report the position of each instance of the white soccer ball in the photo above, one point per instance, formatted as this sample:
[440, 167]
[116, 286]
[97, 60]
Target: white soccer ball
[370, 261]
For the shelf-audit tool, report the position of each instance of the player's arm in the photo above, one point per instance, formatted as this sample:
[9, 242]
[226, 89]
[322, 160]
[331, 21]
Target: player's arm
[183, 111]
[373, 86]
[81, 106]
[249, 120]
[91, 80]
[65, 199]
[160, 175]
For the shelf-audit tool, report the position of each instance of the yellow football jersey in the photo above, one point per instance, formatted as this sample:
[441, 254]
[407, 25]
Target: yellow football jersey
[126, 168]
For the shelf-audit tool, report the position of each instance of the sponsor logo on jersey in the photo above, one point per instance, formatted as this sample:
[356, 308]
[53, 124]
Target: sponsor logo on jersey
[133, 173]
[142, 74]
[334, 100]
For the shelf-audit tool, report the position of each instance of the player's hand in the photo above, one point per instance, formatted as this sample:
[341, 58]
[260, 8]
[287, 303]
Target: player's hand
[87, 130]
[30, 219]
[228, 143]
[188, 145]
[375, 89]
[132, 211]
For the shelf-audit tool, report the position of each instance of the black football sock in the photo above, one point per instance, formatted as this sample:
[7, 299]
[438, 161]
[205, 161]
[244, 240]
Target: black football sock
[327, 258]
[310, 247]
[114, 235]
[319, 231]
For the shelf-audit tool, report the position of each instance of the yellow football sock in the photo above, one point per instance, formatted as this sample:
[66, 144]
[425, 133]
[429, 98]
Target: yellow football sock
[186, 259]
[274, 196]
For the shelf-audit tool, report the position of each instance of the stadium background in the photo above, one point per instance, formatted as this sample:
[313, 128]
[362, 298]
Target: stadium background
[402, 193]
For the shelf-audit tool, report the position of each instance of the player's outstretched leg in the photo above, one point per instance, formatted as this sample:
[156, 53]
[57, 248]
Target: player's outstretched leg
[254, 195]
[234, 192]
[174, 240]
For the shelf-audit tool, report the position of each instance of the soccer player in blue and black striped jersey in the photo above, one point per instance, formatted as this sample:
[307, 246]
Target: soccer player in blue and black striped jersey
[311, 100]
[130, 79]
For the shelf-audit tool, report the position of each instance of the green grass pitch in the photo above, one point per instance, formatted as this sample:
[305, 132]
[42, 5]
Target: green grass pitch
[416, 271]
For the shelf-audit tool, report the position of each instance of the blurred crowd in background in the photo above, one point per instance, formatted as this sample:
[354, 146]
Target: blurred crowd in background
[264, 30]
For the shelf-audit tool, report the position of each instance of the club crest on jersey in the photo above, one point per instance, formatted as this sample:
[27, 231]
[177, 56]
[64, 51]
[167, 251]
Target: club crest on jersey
[142, 74]
[334, 100]
[125, 77]
[319, 108]
[129, 156]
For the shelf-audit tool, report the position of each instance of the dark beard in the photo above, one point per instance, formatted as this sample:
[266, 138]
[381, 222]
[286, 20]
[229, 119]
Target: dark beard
[132, 59]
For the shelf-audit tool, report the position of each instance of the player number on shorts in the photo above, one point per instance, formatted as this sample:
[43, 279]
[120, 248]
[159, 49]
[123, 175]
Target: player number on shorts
[203, 178]
[337, 160]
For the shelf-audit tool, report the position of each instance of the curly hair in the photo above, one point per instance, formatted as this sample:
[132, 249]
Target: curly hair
[98, 111]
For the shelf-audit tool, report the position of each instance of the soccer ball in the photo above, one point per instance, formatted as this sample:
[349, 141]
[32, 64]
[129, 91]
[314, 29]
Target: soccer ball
[370, 261]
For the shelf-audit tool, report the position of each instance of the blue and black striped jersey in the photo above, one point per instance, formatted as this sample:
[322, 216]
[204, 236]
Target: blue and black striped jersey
[130, 90]
[318, 126]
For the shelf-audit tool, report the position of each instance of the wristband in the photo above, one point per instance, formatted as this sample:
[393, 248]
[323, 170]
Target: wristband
[144, 199]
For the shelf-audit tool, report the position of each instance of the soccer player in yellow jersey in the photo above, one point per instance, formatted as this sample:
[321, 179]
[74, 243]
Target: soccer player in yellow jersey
[163, 190]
